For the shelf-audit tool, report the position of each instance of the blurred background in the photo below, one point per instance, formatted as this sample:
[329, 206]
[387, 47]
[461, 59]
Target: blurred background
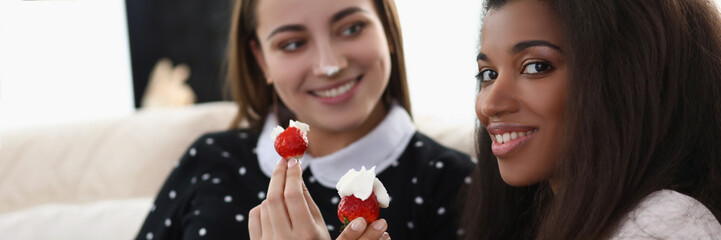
[79, 60]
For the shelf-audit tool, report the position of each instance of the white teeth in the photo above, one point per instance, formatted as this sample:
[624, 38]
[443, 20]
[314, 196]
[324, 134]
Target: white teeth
[510, 136]
[335, 91]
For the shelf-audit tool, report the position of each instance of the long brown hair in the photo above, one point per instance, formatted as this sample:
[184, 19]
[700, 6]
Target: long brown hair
[645, 84]
[247, 83]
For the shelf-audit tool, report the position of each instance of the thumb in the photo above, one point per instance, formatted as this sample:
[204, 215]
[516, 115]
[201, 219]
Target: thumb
[161, 73]
[354, 229]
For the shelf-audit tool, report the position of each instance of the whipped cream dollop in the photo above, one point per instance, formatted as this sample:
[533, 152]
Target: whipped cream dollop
[361, 184]
[304, 129]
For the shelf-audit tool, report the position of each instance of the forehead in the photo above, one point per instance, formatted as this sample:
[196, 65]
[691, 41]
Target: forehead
[279, 12]
[521, 20]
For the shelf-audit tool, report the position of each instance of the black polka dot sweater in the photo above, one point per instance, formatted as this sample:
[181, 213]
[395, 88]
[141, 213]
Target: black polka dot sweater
[210, 192]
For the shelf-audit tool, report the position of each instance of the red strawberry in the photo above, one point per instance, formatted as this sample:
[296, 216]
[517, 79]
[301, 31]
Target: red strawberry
[291, 143]
[351, 207]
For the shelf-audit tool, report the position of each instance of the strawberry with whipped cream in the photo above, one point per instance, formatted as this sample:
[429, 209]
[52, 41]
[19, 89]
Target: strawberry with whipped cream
[291, 142]
[362, 195]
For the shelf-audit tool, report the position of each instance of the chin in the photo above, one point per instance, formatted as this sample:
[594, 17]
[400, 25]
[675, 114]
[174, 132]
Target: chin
[342, 124]
[515, 182]
[517, 179]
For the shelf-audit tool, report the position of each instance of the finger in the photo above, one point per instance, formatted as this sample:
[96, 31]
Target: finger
[160, 73]
[276, 206]
[265, 222]
[354, 230]
[295, 199]
[314, 211]
[277, 180]
[385, 236]
[180, 74]
[375, 230]
[254, 227]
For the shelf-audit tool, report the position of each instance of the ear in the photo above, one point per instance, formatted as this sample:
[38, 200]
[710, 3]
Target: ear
[260, 59]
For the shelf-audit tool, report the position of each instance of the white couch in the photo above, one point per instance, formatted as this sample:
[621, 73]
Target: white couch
[97, 180]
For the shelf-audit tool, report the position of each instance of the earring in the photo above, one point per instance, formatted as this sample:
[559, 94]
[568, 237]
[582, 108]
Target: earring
[330, 70]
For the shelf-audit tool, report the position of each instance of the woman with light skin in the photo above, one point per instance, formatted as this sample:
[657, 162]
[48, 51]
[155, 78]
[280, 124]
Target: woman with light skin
[599, 120]
[338, 67]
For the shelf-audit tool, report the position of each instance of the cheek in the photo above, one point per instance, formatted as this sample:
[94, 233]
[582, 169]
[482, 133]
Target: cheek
[558, 96]
[371, 51]
[554, 106]
[547, 156]
[287, 72]
[287, 84]
[283, 82]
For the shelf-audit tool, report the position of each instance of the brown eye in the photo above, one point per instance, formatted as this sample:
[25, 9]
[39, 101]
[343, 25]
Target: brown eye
[536, 67]
[487, 75]
[292, 46]
[353, 29]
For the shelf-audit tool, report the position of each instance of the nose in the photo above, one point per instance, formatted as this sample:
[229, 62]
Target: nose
[498, 98]
[329, 59]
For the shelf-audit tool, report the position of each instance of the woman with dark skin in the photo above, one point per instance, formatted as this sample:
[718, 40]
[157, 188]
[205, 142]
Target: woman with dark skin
[599, 120]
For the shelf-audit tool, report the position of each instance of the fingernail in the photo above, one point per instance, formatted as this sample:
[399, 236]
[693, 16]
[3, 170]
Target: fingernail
[378, 225]
[292, 162]
[357, 224]
[385, 236]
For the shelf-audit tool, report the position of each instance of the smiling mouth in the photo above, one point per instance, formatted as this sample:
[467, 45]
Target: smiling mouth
[510, 136]
[337, 91]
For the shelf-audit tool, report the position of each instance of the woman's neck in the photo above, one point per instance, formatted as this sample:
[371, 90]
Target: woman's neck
[327, 142]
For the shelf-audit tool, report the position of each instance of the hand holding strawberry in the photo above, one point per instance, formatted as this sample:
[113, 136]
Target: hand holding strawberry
[289, 211]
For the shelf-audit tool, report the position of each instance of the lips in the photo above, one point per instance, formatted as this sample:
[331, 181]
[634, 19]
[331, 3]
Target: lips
[335, 91]
[508, 138]
[338, 92]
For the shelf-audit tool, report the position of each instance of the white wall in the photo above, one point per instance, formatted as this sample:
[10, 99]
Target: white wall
[441, 43]
[63, 61]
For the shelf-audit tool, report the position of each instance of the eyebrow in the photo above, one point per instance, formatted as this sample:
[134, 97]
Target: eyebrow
[286, 28]
[533, 43]
[523, 46]
[299, 28]
[345, 12]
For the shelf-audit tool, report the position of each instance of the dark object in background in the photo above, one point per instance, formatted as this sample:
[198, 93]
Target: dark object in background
[190, 32]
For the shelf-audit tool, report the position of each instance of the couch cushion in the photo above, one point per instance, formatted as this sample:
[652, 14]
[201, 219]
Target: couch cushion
[108, 220]
[112, 159]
